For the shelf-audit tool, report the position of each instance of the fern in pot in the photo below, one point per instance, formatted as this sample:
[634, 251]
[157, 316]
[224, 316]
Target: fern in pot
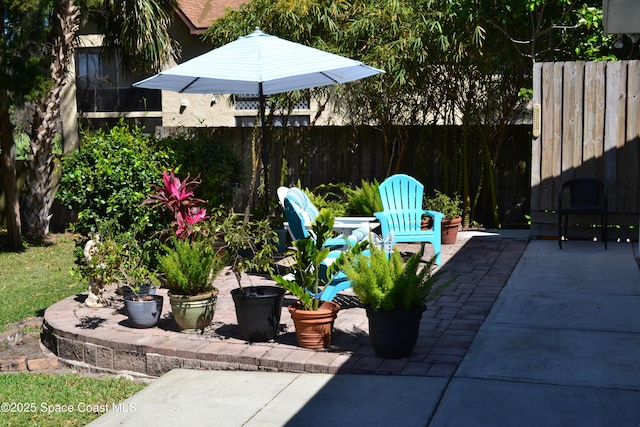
[189, 263]
[395, 295]
[189, 268]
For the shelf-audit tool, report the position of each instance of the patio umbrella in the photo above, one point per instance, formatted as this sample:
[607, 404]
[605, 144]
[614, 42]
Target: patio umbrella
[259, 64]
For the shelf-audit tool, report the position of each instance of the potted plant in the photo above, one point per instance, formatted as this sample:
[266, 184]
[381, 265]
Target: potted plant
[99, 259]
[189, 264]
[188, 269]
[248, 247]
[142, 305]
[364, 200]
[394, 295]
[98, 262]
[452, 210]
[115, 257]
[313, 319]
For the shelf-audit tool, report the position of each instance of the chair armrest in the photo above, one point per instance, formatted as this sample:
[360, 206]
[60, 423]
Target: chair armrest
[437, 216]
[387, 217]
[383, 218]
[437, 220]
[357, 236]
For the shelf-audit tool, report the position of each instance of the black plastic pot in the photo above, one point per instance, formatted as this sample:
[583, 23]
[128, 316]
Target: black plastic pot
[394, 333]
[258, 310]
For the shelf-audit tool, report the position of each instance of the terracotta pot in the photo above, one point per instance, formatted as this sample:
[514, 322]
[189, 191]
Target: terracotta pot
[425, 224]
[450, 230]
[313, 327]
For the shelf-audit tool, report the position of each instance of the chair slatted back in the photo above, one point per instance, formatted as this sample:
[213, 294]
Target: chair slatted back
[295, 219]
[402, 199]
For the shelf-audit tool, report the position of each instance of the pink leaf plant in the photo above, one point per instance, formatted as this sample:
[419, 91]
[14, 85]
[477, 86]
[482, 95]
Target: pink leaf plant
[178, 198]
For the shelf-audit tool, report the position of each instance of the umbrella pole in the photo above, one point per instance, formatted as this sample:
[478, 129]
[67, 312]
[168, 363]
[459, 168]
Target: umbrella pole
[264, 151]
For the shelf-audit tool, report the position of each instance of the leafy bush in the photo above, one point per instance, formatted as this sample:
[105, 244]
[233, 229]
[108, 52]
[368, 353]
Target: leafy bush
[118, 257]
[198, 152]
[189, 267]
[388, 284]
[331, 197]
[109, 177]
[450, 206]
[365, 200]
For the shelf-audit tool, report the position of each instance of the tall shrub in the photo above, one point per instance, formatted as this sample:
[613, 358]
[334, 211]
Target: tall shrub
[202, 152]
[109, 177]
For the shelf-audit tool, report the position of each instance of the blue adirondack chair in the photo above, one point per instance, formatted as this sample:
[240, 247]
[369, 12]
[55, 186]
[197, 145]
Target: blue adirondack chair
[300, 218]
[296, 220]
[402, 212]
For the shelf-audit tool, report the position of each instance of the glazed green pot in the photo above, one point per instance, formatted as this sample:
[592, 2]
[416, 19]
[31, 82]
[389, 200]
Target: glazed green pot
[193, 313]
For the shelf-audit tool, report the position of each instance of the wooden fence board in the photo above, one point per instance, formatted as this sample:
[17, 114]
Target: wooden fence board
[632, 136]
[536, 143]
[614, 128]
[591, 128]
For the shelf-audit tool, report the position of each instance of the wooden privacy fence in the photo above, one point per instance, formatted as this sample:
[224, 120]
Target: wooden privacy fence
[325, 155]
[590, 127]
[330, 155]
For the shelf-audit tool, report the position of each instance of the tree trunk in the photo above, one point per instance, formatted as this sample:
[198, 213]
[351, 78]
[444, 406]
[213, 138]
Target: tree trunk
[8, 166]
[39, 192]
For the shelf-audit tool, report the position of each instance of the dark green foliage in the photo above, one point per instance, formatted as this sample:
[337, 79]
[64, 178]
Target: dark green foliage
[140, 30]
[308, 256]
[109, 177]
[248, 246]
[23, 61]
[365, 200]
[201, 152]
[450, 206]
[386, 284]
[332, 197]
[189, 267]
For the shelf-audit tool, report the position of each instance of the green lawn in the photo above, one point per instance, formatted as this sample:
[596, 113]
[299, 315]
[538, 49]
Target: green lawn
[30, 281]
[61, 400]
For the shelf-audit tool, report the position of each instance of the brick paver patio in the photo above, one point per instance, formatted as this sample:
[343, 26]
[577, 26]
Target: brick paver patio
[102, 340]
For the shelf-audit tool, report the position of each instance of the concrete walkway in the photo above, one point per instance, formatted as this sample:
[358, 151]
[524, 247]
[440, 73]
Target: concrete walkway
[560, 347]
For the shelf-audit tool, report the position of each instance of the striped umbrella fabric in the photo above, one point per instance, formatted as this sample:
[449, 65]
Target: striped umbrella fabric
[259, 61]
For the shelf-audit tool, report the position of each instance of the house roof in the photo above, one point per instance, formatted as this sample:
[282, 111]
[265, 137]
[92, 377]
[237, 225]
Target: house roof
[198, 14]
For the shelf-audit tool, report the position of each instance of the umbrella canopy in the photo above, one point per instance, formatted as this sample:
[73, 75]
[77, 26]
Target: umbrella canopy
[259, 64]
[257, 61]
